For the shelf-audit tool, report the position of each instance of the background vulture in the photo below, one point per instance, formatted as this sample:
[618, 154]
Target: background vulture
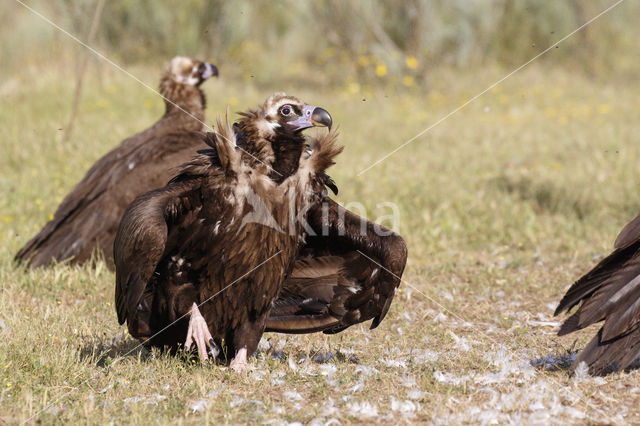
[88, 216]
[610, 292]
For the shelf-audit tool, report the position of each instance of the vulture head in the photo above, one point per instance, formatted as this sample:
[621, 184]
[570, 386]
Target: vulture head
[180, 84]
[281, 110]
[189, 71]
[272, 133]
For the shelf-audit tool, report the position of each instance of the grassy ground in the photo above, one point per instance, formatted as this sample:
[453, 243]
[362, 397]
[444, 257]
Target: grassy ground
[502, 206]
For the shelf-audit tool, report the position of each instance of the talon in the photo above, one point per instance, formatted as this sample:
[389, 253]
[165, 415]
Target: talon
[198, 333]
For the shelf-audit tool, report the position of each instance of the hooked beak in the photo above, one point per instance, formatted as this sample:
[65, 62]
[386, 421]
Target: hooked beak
[207, 70]
[312, 116]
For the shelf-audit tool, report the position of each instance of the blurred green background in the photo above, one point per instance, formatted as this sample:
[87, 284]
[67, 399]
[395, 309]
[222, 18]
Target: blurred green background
[332, 42]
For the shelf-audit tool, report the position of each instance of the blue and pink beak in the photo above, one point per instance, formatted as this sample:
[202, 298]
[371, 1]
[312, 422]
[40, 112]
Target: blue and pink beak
[312, 116]
[207, 70]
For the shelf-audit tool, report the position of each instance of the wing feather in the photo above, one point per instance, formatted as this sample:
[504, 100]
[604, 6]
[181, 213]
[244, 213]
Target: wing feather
[605, 356]
[141, 241]
[88, 216]
[610, 292]
[629, 235]
[342, 278]
[604, 273]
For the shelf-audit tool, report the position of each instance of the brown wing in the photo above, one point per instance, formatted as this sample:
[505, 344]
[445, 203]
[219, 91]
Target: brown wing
[88, 216]
[610, 292]
[603, 357]
[630, 234]
[140, 243]
[344, 276]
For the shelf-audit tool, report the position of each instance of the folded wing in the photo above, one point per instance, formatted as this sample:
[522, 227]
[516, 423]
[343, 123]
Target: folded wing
[345, 274]
[88, 216]
[138, 248]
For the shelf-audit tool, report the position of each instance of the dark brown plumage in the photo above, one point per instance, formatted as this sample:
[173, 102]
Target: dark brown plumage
[345, 274]
[203, 258]
[610, 292]
[88, 217]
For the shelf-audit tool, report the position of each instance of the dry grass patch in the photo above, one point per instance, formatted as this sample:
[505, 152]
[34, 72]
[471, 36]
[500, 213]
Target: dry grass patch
[502, 206]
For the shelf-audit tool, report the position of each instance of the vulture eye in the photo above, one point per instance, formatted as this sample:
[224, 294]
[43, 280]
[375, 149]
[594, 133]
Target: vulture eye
[286, 110]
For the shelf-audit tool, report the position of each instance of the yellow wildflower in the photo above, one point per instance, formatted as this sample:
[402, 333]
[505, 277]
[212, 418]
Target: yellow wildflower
[381, 70]
[412, 62]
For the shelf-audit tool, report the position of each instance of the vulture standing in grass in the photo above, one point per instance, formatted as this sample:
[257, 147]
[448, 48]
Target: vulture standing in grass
[610, 292]
[88, 217]
[214, 258]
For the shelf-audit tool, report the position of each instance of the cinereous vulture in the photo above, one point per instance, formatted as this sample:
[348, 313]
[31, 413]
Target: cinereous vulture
[229, 247]
[88, 217]
[610, 292]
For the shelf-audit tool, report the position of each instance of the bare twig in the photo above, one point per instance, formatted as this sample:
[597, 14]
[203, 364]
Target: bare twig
[82, 70]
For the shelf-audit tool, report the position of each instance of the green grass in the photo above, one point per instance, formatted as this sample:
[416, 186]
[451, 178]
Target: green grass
[502, 205]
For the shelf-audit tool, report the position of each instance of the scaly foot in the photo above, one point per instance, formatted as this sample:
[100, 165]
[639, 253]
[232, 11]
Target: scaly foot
[239, 364]
[198, 333]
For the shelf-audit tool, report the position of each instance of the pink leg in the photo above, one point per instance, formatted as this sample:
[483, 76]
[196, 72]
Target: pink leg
[198, 333]
[239, 364]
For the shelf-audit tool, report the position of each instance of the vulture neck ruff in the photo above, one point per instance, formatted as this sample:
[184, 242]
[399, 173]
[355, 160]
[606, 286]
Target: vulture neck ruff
[181, 97]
